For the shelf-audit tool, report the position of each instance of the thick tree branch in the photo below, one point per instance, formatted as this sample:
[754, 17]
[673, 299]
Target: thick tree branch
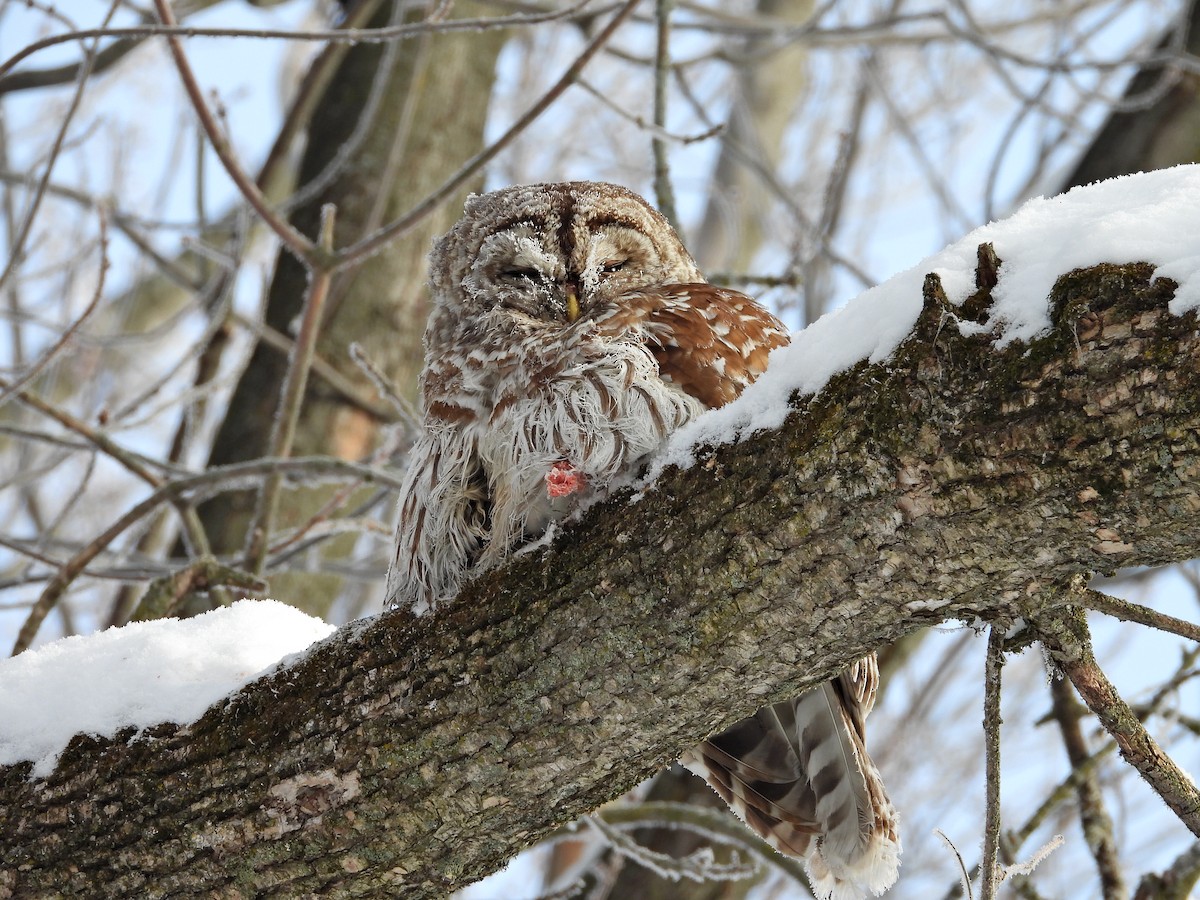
[412, 756]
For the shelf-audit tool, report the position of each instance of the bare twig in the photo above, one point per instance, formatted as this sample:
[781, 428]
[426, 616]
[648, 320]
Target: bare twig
[401, 406]
[134, 462]
[1143, 615]
[1096, 822]
[162, 597]
[934, 172]
[316, 79]
[8, 390]
[1086, 767]
[1175, 883]
[792, 279]
[217, 478]
[173, 30]
[698, 866]
[40, 78]
[17, 245]
[771, 183]
[714, 824]
[318, 524]
[345, 387]
[964, 877]
[1066, 636]
[291, 396]
[990, 867]
[662, 133]
[293, 239]
[377, 241]
[664, 194]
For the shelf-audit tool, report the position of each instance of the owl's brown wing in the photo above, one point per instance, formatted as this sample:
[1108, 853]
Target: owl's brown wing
[712, 342]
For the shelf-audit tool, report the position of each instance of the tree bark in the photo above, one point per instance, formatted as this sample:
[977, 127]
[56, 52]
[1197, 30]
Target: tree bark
[409, 757]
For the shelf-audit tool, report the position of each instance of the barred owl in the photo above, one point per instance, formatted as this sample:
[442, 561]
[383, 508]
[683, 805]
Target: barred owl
[571, 333]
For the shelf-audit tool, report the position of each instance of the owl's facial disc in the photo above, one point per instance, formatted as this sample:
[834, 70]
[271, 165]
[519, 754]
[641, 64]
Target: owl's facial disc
[555, 273]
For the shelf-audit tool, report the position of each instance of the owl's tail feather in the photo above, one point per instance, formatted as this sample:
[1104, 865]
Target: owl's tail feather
[797, 773]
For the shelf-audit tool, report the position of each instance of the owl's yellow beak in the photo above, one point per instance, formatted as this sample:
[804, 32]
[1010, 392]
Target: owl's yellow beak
[572, 303]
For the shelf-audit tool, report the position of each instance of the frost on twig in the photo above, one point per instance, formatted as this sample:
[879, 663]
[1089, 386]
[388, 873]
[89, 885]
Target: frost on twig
[700, 866]
[1003, 873]
[1027, 867]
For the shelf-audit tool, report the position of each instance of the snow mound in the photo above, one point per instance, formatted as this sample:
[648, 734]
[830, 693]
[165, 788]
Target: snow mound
[139, 675]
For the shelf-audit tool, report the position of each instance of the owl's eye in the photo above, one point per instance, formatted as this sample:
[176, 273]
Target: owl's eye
[613, 265]
[521, 272]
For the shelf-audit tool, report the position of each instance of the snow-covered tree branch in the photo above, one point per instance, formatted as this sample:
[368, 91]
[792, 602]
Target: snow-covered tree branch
[953, 480]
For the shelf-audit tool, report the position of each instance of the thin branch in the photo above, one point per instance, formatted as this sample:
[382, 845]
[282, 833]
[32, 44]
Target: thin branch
[229, 477]
[133, 462]
[662, 133]
[400, 407]
[1135, 612]
[1093, 817]
[317, 524]
[727, 279]
[301, 246]
[714, 824]
[699, 866]
[933, 172]
[171, 29]
[964, 877]
[1023, 869]
[664, 194]
[990, 867]
[771, 183]
[31, 372]
[1086, 767]
[283, 431]
[164, 594]
[353, 393]
[17, 247]
[312, 88]
[129, 459]
[1174, 884]
[41, 78]
[1066, 636]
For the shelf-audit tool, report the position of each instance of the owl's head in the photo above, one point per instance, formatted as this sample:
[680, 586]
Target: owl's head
[544, 255]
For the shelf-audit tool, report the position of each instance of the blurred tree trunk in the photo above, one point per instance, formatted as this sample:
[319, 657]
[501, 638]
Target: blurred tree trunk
[1157, 135]
[429, 119]
[766, 94]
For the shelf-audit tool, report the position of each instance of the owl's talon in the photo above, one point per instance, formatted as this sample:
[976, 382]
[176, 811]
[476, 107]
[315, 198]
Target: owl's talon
[564, 479]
